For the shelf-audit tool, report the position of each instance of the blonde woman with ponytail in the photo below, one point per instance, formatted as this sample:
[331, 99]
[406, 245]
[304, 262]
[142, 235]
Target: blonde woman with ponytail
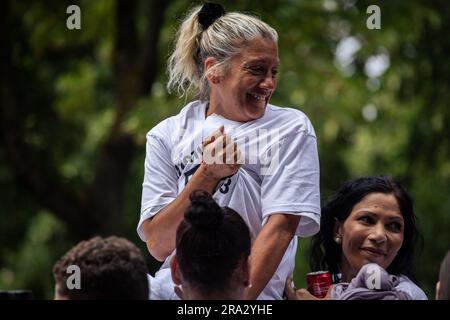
[253, 157]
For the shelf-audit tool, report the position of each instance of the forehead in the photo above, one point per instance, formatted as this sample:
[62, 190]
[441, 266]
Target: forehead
[259, 50]
[380, 203]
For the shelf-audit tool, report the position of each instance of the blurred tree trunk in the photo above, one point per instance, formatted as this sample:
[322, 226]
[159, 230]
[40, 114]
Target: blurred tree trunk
[433, 55]
[97, 208]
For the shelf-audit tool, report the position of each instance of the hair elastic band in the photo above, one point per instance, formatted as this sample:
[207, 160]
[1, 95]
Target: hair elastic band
[209, 13]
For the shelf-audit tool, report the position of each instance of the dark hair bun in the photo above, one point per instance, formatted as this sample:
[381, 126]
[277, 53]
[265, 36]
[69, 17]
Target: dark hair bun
[209, 13]
[203, 213]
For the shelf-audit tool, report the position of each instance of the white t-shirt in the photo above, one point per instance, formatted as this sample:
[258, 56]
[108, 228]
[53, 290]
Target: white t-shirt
[280, 174]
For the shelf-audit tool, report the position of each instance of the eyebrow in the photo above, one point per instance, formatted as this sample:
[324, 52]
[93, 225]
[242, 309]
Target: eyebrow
[398, 219]
[390, 218]
[259, 60]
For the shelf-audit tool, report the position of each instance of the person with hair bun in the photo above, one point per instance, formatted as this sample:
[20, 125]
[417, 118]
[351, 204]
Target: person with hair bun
[212, 252]
[254, 157]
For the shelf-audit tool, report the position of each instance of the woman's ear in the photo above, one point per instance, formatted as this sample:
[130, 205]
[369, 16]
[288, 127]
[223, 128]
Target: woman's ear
[438, 290]
[246, 271]
[242, 272]
[175, 270]
[210, 71]
[337, 231]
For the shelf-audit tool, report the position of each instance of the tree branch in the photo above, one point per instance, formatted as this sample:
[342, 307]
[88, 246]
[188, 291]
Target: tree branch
[155, 19]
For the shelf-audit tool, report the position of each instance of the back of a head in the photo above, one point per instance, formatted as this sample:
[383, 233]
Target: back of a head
[110, 268]
[209, 31]
[326, 254]
[444, 278]
[211, 242]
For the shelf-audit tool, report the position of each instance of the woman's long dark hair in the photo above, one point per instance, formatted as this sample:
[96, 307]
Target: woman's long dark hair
[211, 241]
[326, 253]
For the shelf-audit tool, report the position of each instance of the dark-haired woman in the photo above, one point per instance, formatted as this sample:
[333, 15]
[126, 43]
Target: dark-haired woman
[256, 158]
[212, 252]
[368, 220]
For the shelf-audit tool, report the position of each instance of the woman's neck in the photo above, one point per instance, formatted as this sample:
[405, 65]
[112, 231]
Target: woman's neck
[215, 106]
[347, 271]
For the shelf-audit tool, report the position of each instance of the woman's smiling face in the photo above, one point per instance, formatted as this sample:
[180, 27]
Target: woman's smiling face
[373, 232]
[244, 90]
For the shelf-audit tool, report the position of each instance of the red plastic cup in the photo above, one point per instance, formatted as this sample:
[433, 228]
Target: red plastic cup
[318, 283]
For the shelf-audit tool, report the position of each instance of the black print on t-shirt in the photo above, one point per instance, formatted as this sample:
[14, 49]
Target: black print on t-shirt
[224, 183]
[189, 173]
[194, 155]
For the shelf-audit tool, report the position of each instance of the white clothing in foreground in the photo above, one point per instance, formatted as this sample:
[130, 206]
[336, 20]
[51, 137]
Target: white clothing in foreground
[280, 174]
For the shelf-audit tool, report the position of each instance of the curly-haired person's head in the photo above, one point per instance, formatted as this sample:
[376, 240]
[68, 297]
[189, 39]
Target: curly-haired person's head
[110, 268]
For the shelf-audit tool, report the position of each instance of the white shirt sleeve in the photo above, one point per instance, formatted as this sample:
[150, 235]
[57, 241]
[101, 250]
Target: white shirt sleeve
[292, 183]
[160, 185]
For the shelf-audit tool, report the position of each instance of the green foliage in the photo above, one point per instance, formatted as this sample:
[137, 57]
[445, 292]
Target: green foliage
[30, 265]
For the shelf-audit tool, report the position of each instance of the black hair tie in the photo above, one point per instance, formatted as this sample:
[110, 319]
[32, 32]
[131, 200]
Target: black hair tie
[209, 13]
